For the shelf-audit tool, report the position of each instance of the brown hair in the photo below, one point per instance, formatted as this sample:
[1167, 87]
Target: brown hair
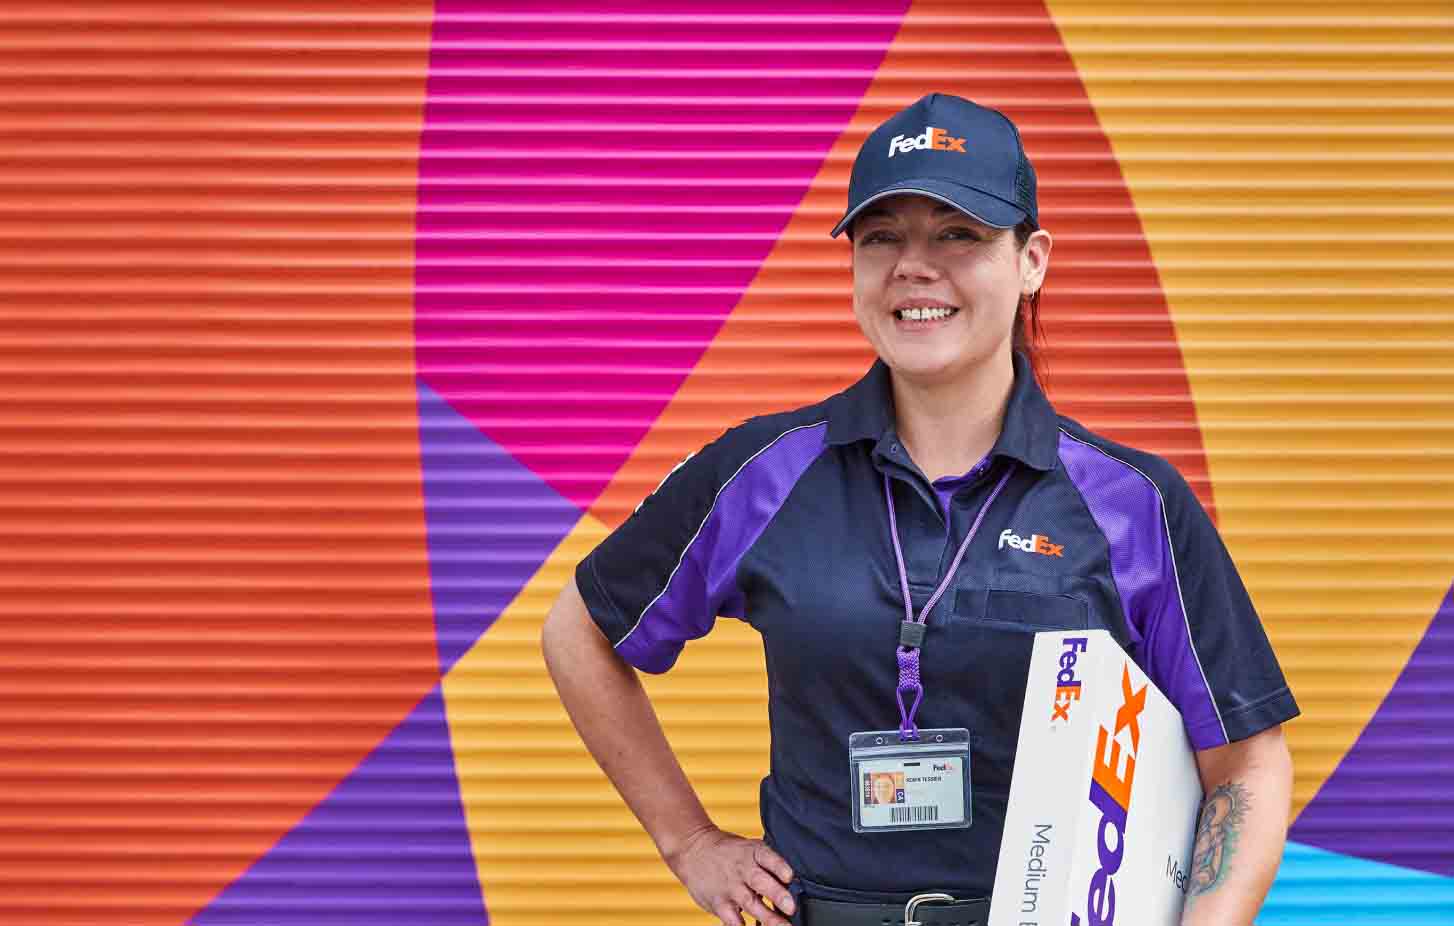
[1028, 335]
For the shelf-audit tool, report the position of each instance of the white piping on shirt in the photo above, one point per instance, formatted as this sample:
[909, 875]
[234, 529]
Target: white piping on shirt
[1185, 619]
[705, 518]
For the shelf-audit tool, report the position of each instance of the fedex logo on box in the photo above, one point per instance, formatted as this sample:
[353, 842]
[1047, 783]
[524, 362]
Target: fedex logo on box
[1095, 734]
[1110, 793]
[1067, 686]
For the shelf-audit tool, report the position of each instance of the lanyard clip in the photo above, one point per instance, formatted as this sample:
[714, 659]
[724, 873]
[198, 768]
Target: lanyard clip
[911, 634]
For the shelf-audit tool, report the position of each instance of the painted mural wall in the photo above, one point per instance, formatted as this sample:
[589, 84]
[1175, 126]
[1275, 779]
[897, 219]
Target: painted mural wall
[334, 334]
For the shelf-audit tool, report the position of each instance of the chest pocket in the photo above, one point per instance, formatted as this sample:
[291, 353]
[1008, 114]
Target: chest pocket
[994, 627]
[1033, 612]
[1015, 601]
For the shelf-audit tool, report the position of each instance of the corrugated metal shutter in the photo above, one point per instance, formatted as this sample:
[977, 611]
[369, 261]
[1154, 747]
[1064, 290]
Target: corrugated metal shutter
[280, 443]
[214, 593]
[1234, 266]
[1291, 165]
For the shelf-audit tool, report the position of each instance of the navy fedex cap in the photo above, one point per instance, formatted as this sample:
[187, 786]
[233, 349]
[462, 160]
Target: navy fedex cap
[952, 150]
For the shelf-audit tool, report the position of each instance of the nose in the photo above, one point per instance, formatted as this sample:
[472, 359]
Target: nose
[914, 264]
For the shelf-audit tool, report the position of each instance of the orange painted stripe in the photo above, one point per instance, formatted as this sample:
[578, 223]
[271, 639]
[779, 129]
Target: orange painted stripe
[214, 592]
[1113, 358]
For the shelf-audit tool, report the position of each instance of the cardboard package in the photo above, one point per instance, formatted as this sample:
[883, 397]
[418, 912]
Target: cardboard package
[1104, 797]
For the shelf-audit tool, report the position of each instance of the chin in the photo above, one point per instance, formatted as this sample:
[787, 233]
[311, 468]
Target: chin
[927, 367]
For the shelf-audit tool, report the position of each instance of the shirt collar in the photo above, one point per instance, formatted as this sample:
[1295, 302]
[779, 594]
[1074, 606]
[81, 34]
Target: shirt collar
[865, 411]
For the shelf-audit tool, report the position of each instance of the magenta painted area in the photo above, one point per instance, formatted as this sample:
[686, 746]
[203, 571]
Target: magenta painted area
[597, 188]
[491, 524]
[388, 847]
[1391, 799]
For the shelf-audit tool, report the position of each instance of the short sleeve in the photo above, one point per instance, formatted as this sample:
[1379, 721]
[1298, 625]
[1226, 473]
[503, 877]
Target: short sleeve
[663, 577]
[639, 567]
[1192, 625]
[1203, 642]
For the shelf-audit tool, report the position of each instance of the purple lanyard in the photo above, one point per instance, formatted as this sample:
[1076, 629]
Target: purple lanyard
[911, 633]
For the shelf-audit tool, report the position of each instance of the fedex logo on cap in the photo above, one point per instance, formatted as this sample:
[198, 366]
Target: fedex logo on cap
[931, 139]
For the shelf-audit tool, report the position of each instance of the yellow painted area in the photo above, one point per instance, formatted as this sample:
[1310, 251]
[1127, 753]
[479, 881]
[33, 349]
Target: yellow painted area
[1291, 164]
[553, 841]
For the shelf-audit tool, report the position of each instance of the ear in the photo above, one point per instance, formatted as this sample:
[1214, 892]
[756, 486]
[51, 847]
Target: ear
[1035, 261]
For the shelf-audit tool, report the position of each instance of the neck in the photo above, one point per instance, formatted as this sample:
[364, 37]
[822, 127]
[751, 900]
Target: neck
[947, 427]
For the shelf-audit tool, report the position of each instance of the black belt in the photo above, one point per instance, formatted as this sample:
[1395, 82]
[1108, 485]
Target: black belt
[923, 909]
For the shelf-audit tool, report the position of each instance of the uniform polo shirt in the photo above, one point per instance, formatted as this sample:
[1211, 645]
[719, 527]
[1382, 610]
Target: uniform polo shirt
[781, 522]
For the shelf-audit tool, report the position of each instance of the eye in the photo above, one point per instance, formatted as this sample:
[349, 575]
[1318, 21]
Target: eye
[877, 236]
[960, 233]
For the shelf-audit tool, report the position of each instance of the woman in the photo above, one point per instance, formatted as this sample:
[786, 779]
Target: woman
[897, 545]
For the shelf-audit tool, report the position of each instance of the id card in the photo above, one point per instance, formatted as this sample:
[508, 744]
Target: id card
[915, 785]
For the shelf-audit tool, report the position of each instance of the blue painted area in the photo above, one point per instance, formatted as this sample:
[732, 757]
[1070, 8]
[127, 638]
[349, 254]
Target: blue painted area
[388, 847]
[491, 524]
[1315, 887]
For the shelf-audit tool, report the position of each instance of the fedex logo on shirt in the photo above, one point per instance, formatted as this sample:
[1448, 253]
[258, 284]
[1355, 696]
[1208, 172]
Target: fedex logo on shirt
[1036, 543]
[1067, 686]
[931, 139]
[1110, 792]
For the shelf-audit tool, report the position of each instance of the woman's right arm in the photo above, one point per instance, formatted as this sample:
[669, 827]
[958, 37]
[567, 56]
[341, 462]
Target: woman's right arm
[609, 707]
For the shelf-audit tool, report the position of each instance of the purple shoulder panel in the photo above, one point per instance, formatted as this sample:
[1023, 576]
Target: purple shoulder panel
[707, 570]
[1129, 509]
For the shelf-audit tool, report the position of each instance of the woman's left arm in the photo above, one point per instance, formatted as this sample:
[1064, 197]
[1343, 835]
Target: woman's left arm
[1241, 830]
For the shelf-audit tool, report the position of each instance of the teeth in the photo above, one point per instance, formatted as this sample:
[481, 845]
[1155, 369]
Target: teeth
[925, 314]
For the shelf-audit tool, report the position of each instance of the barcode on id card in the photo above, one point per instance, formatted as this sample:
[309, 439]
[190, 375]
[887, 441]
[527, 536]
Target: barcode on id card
[925, 814]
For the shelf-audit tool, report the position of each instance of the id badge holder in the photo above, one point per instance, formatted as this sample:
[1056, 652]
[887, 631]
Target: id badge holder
[918, 784]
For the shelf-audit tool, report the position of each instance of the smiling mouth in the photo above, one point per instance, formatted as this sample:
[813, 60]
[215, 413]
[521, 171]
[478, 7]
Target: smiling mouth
[925, 313]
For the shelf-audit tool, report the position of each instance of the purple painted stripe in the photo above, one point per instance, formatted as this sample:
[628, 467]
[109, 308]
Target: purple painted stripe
[491, 524]
[580, 166]
[1128, 508]
[390, 846]
[1396, 778]
[704, 585]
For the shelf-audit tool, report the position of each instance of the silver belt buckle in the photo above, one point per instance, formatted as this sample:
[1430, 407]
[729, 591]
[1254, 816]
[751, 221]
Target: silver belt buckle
[922, 898]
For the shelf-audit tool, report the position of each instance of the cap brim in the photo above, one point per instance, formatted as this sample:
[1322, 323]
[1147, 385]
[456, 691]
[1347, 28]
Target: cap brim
[982, 207]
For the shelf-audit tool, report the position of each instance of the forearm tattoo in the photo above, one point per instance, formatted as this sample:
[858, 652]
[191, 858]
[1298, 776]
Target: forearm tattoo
[1223, 813]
